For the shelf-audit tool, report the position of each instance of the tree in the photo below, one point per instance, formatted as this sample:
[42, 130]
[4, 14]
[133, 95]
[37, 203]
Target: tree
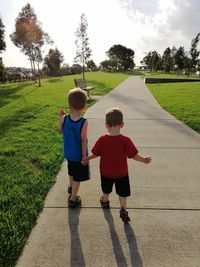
[2, 48]
[123, 55]
[153, 60]
[53, 61]
[2, 32]
[83, 52]
[91, 65]
[194, 53]
[167, 60]
[109, 65]
[30, 37]
[179, 58]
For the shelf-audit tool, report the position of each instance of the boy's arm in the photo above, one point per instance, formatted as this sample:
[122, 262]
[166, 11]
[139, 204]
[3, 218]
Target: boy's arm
[139, 158]
[84, 139]
[61, 120]
[86, 159]
[92, 157]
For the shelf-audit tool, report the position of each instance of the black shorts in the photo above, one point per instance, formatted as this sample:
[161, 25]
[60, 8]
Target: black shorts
[122, 185]
[79, 172]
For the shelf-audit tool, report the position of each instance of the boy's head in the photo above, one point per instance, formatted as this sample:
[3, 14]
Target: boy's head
[77, 99]
[114, 117]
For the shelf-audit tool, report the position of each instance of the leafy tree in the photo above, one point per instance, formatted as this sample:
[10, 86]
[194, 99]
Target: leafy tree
[179, 58]
[2, 71]
[123, 55]
[187, 63]
[83, 52]
[76, 69]
[173, 52]
[2, 48]
[109, 65]
[53, 62]
[91, 65]
[167, 60]
[153, 60]
[2, 32]
[194, 53]
[30, 37]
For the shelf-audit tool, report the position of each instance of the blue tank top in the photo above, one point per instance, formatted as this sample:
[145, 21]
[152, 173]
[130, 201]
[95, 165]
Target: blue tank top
[72, 139]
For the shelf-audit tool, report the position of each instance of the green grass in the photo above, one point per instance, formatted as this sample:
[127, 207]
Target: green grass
[31, 152]
[160, 74]
[181, 100]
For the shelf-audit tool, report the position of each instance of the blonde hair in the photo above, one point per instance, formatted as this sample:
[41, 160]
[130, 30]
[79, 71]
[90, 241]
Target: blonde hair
[77, 98]
[114, 117]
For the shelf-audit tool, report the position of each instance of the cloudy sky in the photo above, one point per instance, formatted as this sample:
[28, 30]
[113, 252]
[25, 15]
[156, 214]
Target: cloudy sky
[142, 25]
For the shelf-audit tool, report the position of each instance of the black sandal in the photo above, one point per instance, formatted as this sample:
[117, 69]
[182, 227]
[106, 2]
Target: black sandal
[124, 215]
[69, 189]
[104, 204]
[74, 203]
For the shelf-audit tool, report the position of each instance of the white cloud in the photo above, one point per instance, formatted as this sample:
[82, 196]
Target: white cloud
[140, 25]
[174, 22]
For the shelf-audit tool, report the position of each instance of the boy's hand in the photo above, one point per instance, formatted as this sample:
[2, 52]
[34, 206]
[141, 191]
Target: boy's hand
[62, 113]
[84, 161]
[147, 160]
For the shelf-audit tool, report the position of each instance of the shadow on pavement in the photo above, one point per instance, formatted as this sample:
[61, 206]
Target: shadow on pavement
[136, 260]
[119, 255]
[77, 256]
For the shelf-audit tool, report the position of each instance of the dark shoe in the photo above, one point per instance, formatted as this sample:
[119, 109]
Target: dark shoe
[69, 190]
[104, 205]
[124, 215]
[74, 203]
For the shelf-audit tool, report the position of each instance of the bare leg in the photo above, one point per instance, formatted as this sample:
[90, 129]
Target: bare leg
[105, 197]
[70, 180]
[75, 188]
[123, 212]
[122, 201]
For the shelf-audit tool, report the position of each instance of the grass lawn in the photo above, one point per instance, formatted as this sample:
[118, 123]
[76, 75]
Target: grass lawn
[160, 74]
[31, 151]
[181, 100]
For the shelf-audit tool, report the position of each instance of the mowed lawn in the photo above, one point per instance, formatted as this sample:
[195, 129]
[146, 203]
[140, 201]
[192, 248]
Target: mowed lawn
[31, 151]
[181, 100]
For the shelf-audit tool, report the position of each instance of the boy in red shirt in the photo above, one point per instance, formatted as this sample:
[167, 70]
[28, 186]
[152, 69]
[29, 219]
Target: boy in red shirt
[114, 149]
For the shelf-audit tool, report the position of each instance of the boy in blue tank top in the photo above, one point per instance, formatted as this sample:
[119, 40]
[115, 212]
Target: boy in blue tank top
[74, 129]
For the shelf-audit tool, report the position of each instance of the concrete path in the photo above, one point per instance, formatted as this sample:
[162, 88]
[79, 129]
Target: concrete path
[164, 206]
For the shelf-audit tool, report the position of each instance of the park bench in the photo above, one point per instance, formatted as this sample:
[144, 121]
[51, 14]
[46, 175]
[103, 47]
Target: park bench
[81, 83]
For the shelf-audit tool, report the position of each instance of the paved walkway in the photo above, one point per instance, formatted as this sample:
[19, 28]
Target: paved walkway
[164, 206]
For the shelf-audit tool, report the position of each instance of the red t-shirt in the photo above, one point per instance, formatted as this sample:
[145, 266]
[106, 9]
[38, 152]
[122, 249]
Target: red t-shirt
[113, 152]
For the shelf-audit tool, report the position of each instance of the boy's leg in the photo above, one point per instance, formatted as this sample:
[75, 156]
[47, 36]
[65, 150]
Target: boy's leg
[122, 201]
[104, 201]
[75, 188]
[74, 200]
[106, 186]
[70, 184]
[105, 197]
[80, 173]
[123, 191]
[123, 212]
[70, 180]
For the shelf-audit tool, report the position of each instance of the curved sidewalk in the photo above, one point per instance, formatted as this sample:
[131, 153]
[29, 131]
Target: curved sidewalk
[164, 206]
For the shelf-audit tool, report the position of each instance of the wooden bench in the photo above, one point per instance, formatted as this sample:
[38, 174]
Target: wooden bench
[81, 83]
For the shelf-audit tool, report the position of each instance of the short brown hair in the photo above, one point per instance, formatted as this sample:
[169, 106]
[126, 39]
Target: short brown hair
[114, 117]
[77, 98]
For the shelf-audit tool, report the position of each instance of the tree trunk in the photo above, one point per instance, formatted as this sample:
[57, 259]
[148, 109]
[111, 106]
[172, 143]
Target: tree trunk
[32, 67]
[83, 70]
[39, 80]
[34, 72]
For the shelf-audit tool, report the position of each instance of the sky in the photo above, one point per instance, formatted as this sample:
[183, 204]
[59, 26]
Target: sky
[142, 25]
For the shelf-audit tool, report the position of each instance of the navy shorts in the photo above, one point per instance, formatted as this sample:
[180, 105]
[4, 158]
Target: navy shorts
[79, 172]
[122, 185]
